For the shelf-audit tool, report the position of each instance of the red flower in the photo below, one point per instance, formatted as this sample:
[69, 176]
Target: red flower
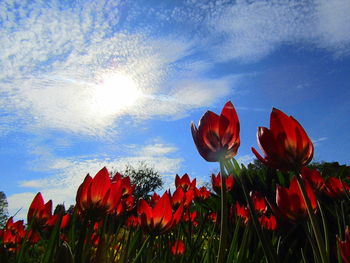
[290, 201]
[242, 212]
[12, 235]
[180, 197]
[216, 183]
[178, 248]
[202, 193]
[268, 222]
[185, 182]
[154, 199]
[258, 202]
[217, 137]
[335, 187]
[212, 216]
[41, 214]
[345, 246]
[285, 145]
[160, 218]
[132, 222]
[314, 178]
[98, 196]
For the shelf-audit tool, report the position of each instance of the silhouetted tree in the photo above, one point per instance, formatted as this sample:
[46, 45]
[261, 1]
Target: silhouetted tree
[3, 209]
[146, 179]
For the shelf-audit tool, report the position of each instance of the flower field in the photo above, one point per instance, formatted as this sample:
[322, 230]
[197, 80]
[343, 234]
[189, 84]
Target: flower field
[282, 212]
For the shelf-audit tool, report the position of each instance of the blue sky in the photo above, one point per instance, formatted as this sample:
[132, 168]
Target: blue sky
[87, 84]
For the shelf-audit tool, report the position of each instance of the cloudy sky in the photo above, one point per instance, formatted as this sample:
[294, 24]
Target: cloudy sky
[87, 84]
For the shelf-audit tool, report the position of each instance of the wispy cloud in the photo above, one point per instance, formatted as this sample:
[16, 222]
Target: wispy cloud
[250, 30]
[69, 173]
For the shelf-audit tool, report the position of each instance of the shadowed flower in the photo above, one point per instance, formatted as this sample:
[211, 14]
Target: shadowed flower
[160, 218]
[212, 216]
[314, 178]
[242, 212]
[177, 248]
[217, 137]
[216, 182]
[202, 193]
[12, 235]
[290, 200]
[344, 246]
[185, 182]
[268, 222]
[335, 188]
[258, 202]
[98, 196]
[285, 145]
[40, 213]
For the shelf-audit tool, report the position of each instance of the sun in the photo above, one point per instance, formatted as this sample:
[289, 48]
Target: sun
[115, 93]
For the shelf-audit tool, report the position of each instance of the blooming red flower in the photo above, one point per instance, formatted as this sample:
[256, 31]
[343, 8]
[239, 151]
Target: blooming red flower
[185, 182]
[40, 213]
[335, 188]
[242, 212]
[98, 196]
[285, 145]
[12, 235]
[269, 223]
[202, 193]
[345, 246]
[177, 248]
[180, 197]
[217, 137]
[314, 178]
[160, 218]
[258, 202]
[290, 201]
[154, 199]
[212, 216]
[216, 182]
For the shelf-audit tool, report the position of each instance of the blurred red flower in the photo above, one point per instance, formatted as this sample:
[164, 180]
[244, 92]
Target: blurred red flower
[217, 137]
[216, 183]
[258, 202]
[12, 234]
[335, 188]
[202, 193]
[344, 246]
[160, 218]
[290, 201]
[269, 223]
[177, 248]
[285, 145]
[314, 178]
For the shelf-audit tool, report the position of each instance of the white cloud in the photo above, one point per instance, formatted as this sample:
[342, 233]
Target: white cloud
[52, 59]
[69, 173]
[250, 30]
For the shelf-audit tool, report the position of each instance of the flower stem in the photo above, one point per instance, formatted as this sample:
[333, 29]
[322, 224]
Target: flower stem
[314, 224]
[224, 216]
[137, 258]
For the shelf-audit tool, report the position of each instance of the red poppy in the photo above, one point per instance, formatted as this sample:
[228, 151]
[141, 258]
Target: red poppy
[40, 213]
[335, 188]
[314, 178]
[98, 196]
[344, 246]
[160, 218]
[177, 248]
[202, 193]
[285, 145]
[185, 182]
[216, 182]
[217, 137]
[290, 201]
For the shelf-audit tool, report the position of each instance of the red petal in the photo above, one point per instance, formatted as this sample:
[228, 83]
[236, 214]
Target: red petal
[99, 186]
[36, 206]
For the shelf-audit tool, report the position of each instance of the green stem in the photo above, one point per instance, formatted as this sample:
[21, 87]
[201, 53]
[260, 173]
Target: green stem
[224, 216]
[314, 224]
[137, 258]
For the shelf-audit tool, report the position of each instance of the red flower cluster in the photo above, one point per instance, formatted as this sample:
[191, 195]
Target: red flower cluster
[216, 183]
[12, 235]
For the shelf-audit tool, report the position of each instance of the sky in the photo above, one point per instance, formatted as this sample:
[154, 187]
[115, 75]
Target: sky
[92, 83]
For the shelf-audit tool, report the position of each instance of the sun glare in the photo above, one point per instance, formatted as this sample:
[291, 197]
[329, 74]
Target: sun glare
[116, 93]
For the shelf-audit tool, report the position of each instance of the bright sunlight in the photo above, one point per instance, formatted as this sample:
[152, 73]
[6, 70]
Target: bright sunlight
[115, 93]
